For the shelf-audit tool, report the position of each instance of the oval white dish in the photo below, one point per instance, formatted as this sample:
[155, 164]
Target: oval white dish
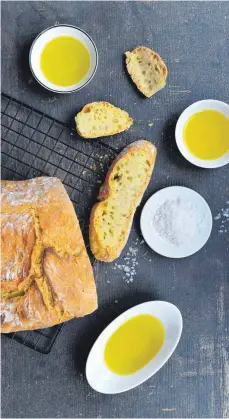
[103, 380]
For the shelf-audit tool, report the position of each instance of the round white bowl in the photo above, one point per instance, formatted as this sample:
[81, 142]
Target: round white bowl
[188, 112]
[47, 35]
[103, 380]
[156, 242]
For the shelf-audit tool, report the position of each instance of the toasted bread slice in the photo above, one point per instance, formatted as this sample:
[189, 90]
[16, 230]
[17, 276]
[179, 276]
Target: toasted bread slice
[147, 70]
[99, 119]
[124, 186]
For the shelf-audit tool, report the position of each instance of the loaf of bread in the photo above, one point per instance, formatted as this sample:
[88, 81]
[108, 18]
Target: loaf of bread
[125, 183]
[99, 119]
[46, 274]
[147, 70]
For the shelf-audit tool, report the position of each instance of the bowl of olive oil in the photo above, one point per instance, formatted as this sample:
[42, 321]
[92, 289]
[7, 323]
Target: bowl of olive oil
[63, 58]
[134, 347]
[202, 133]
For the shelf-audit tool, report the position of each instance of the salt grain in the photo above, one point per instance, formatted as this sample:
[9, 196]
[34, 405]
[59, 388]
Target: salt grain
[176, 221]
[223, 216]
[128, 268]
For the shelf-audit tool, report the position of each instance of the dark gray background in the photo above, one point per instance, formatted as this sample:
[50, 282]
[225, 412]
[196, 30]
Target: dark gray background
[193, 38]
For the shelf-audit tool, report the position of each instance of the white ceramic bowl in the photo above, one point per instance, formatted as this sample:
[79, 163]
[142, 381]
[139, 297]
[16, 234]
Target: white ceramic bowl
[47, 35]
[188, 112]
[156, 242]
[103, 380]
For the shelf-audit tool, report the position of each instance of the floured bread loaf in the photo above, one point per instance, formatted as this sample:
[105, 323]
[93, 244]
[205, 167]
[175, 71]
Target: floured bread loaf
[147, 70]
[99, 119]
[124, 186]
[46, 274]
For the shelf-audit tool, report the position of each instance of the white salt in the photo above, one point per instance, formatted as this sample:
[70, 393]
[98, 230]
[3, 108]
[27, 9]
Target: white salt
[223, 216]
[128, 268]
[177, 221]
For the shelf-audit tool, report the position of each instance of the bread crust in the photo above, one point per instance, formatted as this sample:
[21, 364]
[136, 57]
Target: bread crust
[106, 105]
[105, 253]
[152, 56]
[47, 276]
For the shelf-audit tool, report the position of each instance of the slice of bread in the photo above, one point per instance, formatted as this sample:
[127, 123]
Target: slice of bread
[147, 70]
[99, 119]
[124, 186]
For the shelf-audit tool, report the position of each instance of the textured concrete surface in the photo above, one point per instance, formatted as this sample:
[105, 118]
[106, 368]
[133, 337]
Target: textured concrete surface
[192, 37]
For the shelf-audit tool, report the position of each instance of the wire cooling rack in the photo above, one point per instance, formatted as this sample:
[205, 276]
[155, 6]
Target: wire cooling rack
[41, 340]
[34, 144]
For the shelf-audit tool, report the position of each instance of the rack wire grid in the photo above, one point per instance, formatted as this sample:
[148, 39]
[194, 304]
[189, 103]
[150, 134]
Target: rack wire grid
[34, 144]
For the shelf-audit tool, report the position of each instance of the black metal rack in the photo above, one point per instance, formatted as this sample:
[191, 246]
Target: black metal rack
[34, 144]
[41, 340]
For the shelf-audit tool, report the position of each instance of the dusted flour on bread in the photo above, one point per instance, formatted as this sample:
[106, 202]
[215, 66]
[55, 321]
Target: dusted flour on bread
[46, 274]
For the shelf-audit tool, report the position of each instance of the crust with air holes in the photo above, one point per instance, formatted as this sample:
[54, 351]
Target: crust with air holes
[135, 74]
[105, 253]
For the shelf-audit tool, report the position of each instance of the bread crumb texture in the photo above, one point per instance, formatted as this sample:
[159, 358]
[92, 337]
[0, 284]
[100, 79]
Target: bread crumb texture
[124, 186]
[100, 119]
[147, 70]
[46, 275]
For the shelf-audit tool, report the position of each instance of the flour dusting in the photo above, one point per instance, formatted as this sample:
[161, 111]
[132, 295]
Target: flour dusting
[8, 316]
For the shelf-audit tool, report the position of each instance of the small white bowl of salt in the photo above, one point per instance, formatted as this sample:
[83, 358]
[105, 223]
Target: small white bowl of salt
[176, 222]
